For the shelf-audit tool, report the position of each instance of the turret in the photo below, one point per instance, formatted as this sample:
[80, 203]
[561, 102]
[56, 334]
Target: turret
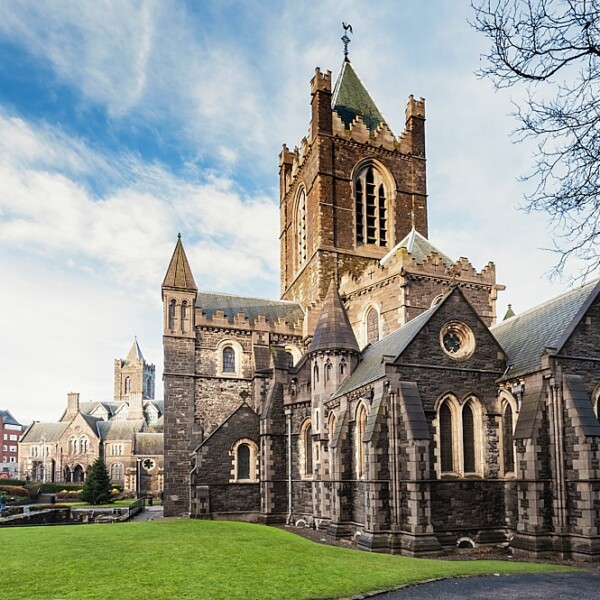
[333, 353]
[179, 293]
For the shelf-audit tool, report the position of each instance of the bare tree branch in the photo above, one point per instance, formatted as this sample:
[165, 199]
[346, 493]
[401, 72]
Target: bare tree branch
[553, 48]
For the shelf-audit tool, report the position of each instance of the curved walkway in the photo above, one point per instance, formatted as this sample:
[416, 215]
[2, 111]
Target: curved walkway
[556, 586]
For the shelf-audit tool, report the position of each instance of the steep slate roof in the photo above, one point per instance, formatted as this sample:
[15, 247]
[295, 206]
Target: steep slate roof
[7, 418]
[49, 432]
[135, 353]
[149, 443]
[119, 430]
[371, 365]
[418, 247]
[231, 305]
[351, 99]
[524, 336]
[179, 274]
[333, 331]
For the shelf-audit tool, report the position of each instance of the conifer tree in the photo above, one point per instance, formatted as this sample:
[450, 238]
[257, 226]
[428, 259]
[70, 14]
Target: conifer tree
[96, 489]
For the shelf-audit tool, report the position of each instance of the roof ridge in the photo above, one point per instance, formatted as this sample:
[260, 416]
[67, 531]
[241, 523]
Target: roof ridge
[248, 297]
[561, 296]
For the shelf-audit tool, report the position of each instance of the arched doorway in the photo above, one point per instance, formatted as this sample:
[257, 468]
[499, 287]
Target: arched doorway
[67, 475]
[78, 474]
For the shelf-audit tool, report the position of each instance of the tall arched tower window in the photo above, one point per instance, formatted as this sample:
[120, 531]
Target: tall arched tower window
[184, 316]
[172, 308]
[127, 385]
[371, 207]
[301, 226]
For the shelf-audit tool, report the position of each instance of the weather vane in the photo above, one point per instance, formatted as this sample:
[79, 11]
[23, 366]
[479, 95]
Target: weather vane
[347, 28]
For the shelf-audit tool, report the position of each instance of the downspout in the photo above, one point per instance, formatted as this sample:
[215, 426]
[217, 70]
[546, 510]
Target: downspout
[288, 415]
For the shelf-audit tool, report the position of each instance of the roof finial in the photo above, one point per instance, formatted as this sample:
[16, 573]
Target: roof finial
[179, 236]
[347, 28]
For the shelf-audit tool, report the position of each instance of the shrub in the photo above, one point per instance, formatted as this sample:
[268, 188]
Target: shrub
[13, 490]
[18, 482]
[96, 489]
[68, 495]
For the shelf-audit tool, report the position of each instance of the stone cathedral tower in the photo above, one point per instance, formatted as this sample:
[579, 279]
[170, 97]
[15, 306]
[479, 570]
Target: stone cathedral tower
[353, 205]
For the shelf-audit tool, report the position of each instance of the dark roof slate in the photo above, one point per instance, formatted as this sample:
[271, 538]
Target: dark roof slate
[371, 365]
[149, 443]
[252, 308]
[530, 406]
[49, 432]
[333, 331]
[524, 336]
[119, 430]
[351, 99]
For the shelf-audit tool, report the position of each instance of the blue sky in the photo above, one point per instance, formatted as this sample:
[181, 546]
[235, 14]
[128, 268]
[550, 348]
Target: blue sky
[124, 123]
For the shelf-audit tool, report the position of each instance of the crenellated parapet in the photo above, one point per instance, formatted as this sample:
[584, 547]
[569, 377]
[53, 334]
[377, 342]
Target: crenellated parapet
[242, 322]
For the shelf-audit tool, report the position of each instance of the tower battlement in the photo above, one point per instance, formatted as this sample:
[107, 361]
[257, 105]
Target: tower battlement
[320, 81]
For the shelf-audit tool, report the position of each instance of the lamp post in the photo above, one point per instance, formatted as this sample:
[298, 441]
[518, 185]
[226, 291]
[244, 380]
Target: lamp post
[138, 473]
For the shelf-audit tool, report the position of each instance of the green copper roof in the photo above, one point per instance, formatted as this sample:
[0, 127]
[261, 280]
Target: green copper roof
[351, 99]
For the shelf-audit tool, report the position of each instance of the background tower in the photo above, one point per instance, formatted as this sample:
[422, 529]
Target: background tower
[133, 375]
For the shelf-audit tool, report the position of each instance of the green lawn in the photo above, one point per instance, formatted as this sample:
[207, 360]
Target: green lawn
[187, 559]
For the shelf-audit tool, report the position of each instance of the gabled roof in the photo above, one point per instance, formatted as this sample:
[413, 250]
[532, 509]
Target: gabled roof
[119, 430]
[231, 305]
[371, 365]
[88, 407]
[525, 336]
[418, 247]
[135, 353]
[179, 275]
[49, 432]
[7, 418]
[351, 99]
[333, 331]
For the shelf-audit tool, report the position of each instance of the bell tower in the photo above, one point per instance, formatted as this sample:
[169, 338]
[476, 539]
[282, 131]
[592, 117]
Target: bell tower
[351, 190]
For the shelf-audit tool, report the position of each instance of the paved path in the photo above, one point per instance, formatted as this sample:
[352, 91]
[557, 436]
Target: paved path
[150, 513]
[556, 586]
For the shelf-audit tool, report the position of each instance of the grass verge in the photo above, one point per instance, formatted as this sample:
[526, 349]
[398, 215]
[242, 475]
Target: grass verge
[187, 559]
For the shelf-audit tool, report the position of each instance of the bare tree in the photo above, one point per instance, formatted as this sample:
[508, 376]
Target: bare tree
[553, 48]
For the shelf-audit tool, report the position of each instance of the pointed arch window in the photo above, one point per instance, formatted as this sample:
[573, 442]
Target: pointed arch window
[228, 360]
[316, 374]
[243, 461]
[508, 449]
[116, 472]
[468, 431]
[184, 316]
[127, 385]
[328, 371]
[172, 312]
[301, 225]
[446, 438]
[459, 434]
[361, 426]
[83, 445]
[371, 207]
[307, 447]
[372, 321]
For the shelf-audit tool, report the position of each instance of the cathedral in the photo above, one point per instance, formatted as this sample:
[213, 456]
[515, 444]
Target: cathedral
[380, 398]
[126, 432]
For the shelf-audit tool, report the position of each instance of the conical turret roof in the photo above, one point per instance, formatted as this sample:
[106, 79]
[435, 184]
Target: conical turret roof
[179, 274]
[351, 99]
[333, 331]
